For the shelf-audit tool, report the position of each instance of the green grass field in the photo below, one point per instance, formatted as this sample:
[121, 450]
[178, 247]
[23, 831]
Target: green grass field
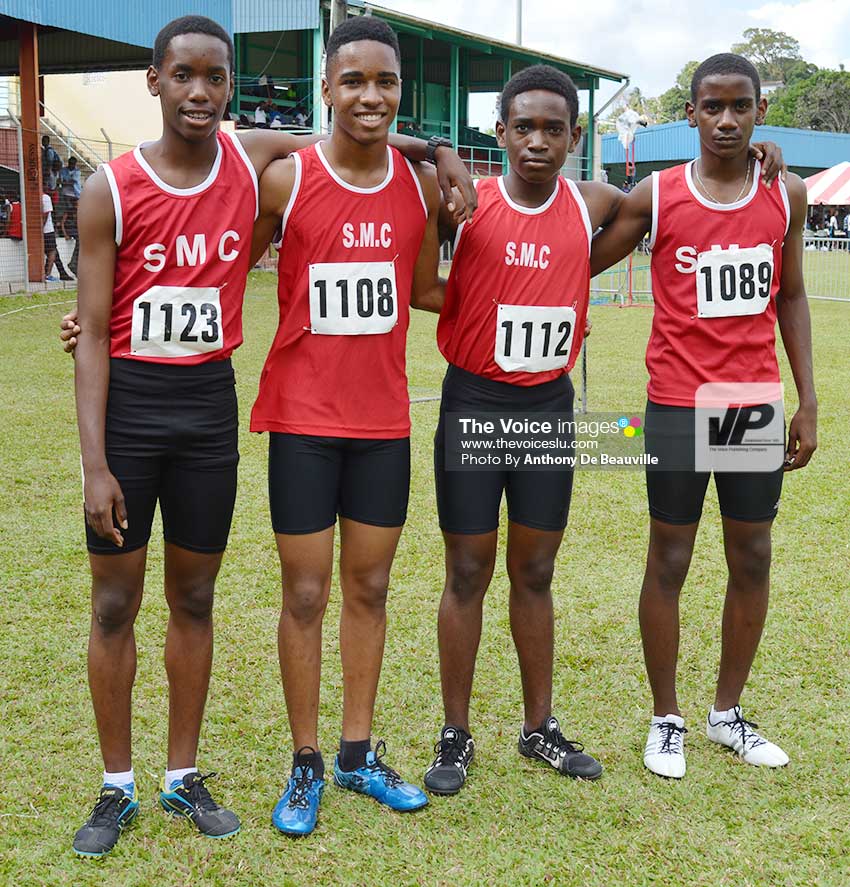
[516, 822]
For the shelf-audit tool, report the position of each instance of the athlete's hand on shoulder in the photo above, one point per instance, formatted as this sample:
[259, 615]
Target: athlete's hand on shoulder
[802, 438]
[103, 501]
[772, 162]
[452, 172]
[68, 331]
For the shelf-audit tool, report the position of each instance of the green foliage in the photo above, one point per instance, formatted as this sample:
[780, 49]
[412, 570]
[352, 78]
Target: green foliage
[820, 101]
[773, 53]
[517, 823]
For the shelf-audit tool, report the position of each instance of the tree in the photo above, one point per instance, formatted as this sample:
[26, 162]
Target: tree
[671, 104]
[772, 52]
[820, 101]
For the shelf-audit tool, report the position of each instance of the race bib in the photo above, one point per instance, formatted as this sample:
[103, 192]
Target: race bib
[177, 321]
[734, 282]
[353, 298]
[532, 339]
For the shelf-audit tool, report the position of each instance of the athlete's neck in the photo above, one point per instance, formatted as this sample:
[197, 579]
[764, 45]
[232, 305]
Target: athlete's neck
[724, 170]
[181, 163]
[529, 194]
[363, 166]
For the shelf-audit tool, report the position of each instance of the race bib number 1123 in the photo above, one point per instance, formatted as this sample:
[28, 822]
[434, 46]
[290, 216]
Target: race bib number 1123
[177, 321]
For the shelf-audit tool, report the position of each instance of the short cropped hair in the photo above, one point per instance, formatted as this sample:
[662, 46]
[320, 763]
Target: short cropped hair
[362, 27]
[189, 24]
[540, 77]
[725, 63]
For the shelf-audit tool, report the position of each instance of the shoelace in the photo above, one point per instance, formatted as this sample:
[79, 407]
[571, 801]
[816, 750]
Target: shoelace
[391, 778]
[303, 783]
[671, 737]
[556, 741]
[753, 740]
[198, 794]
[449, 751]
[107, 810]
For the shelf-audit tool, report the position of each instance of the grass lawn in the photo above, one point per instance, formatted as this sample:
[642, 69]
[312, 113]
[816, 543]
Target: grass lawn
[516, 822]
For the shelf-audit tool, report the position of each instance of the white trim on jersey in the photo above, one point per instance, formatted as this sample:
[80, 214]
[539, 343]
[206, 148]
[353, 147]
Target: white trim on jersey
[296, 187]
[529, 210]
[723, 207]
[656, 200]
[240, 150]
[579, 199]
[462, 225]
[333, 174]
[169, 189]
[116, 202]
[785, 202]
[418, 185]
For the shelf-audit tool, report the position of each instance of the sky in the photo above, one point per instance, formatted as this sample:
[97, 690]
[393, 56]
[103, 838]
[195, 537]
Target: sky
[650, 40]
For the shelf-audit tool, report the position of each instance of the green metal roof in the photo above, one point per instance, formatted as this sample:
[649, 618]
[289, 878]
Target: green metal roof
[486, 45]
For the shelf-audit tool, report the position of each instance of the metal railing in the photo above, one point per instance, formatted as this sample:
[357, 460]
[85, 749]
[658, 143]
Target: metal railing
[826, 267]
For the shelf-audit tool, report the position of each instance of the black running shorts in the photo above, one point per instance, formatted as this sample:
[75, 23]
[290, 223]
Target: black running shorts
[676, 497]
[172, 436]
[313, 479]
[468, 502]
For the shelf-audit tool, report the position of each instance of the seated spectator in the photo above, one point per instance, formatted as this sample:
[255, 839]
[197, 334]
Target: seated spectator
[260, 117]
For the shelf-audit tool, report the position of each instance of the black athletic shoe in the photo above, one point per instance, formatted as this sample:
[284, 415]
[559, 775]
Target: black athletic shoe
[112, 813]
[454, 754]
[565, 755]
[193, 800]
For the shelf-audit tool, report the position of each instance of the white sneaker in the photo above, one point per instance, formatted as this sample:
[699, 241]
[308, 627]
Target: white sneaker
[665, 746]
[731, 729]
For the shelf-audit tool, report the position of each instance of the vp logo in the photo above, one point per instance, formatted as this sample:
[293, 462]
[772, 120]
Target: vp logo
[737, 421]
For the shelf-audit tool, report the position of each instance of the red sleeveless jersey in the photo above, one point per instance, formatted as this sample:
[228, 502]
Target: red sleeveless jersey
[183, 258]
[336, 367]
[516, 299]
[716, 270]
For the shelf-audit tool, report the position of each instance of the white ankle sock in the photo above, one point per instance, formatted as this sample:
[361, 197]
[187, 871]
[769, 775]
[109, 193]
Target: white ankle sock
[727, 715]
[125, 780]
[172, 776]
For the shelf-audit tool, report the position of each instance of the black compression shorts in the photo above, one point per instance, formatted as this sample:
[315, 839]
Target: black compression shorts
[468, 502]
[676, 496]
[312, 479]
[172, 436]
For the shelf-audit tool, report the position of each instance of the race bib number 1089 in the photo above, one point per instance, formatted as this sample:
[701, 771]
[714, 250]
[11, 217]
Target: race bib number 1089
[734, 282]
[353, 298]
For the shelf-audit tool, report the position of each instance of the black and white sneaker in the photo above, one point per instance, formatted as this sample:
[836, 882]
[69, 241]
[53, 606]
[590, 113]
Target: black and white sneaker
[565, 755]
[454, 754]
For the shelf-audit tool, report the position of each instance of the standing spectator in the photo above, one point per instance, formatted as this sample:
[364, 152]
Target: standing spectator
[15, 230]
[260, 118]
[833, 223]
[51, 183]
[69, 193]
[48, 158]
[51, 253]
[5, 211]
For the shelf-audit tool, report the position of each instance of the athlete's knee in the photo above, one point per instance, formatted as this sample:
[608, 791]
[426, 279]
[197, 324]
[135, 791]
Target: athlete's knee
[749, 560]
[366, 589]
[532, 575]
[468, 577]
[305, 600]
[668, 563]
[192, 599]
[114, 608]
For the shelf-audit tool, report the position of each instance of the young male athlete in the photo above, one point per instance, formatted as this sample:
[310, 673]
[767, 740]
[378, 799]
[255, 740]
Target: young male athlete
[511, 327]
[164, 257]
[357, 223]
[726, 264]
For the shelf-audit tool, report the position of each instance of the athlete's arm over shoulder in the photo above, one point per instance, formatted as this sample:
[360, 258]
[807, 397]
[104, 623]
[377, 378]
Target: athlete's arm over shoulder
[602, 201]
[792, 309]
[264, 146]
[428, 289]
[96, 224]
[277, 184]
[626, 230]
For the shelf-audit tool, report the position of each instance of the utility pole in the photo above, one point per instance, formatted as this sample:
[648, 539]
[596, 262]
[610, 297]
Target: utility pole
[339, 13]
[519, 22]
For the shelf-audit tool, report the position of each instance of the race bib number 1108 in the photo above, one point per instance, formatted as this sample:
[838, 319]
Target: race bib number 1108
[353, 298]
